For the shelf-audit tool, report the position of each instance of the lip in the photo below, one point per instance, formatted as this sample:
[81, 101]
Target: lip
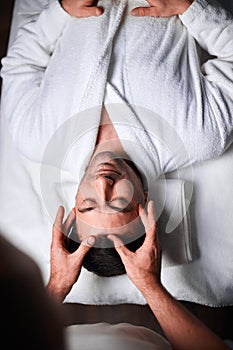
[108, 173]
[105, 168]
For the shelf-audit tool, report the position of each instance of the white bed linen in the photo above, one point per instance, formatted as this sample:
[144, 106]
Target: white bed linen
[103, 336]
[207, 279]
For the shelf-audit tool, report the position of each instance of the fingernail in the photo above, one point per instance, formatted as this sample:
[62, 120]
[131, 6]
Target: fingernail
[91, 240]
[98, 13]
[135, 13]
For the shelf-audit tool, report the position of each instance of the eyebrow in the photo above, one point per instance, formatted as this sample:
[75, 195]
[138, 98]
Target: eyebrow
[126, 209]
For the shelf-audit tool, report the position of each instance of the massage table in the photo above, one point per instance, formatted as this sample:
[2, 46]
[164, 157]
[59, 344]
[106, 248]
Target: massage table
[194, 208]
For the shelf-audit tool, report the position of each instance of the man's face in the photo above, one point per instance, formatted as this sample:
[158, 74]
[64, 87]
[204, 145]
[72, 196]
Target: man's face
[108, 198]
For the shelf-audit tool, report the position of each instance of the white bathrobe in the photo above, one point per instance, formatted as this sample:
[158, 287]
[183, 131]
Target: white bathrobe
[61, 69]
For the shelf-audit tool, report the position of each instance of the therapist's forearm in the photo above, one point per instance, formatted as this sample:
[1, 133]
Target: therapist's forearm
[182, 329]
[57, 292]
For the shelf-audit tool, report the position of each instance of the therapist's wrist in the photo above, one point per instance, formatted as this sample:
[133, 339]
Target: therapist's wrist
[150, 287]
[155, 295]
[56, 291]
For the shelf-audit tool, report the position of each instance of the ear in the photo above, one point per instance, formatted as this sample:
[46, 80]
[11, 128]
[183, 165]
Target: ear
[72, 242]
[73, 232]
[145, 197]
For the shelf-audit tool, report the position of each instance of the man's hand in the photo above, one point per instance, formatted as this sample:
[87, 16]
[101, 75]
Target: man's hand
[143, 266]
[81, 8]
[162, 8]
[64, 266]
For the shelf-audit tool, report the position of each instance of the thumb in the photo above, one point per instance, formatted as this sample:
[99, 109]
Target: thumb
[84, 248]
[121, 249]
[141, 11]
[90, 11]
[147, 11]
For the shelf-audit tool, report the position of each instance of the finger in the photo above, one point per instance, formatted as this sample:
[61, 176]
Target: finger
[122, 250]
[151, 236]
[90, 11]
[69, 222]
[145, 11]
[59, 217]
[143, 216]
[147, 215]
[57, 234]
[151, 214]
[149, 221]
[84, 248]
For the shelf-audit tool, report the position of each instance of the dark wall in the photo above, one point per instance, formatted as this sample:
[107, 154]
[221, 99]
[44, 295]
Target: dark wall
[228, 4]
[6, 9]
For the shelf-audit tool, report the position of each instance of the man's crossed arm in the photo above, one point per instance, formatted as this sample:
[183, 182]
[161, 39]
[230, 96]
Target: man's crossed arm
[157, 8]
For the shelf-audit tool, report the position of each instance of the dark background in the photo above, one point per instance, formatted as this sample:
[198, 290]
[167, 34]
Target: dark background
[6, 9]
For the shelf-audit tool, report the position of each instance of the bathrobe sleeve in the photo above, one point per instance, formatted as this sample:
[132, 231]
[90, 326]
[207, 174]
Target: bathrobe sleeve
[24, 72]
[212, 28]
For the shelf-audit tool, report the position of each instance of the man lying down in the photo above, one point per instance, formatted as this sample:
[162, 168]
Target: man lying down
[77, 56]
[107, 202]
[168, 108]
[52, 78]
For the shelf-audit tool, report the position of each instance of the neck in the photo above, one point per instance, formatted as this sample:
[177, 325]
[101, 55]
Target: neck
[107, 138]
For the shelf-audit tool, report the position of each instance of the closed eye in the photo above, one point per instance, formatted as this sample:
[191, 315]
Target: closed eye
[118, 204]
[121, 204]
[84, 210]
[87, 205]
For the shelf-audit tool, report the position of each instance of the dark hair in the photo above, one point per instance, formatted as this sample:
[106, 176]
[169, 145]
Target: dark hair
[104, 262]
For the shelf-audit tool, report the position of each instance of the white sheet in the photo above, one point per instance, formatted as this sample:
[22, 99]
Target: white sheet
[207, 279]
[103, 336]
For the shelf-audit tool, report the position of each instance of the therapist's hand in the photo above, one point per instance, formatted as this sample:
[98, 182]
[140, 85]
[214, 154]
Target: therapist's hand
[143, 266]
[81, 8]
[162, 8]
[65, 267]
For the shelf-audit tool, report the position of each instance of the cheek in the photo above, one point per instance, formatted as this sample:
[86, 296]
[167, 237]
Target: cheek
[84, 190]
[83, 229]
[124, 188]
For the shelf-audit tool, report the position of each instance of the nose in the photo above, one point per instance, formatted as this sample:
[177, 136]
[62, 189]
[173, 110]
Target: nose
[104, 187]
